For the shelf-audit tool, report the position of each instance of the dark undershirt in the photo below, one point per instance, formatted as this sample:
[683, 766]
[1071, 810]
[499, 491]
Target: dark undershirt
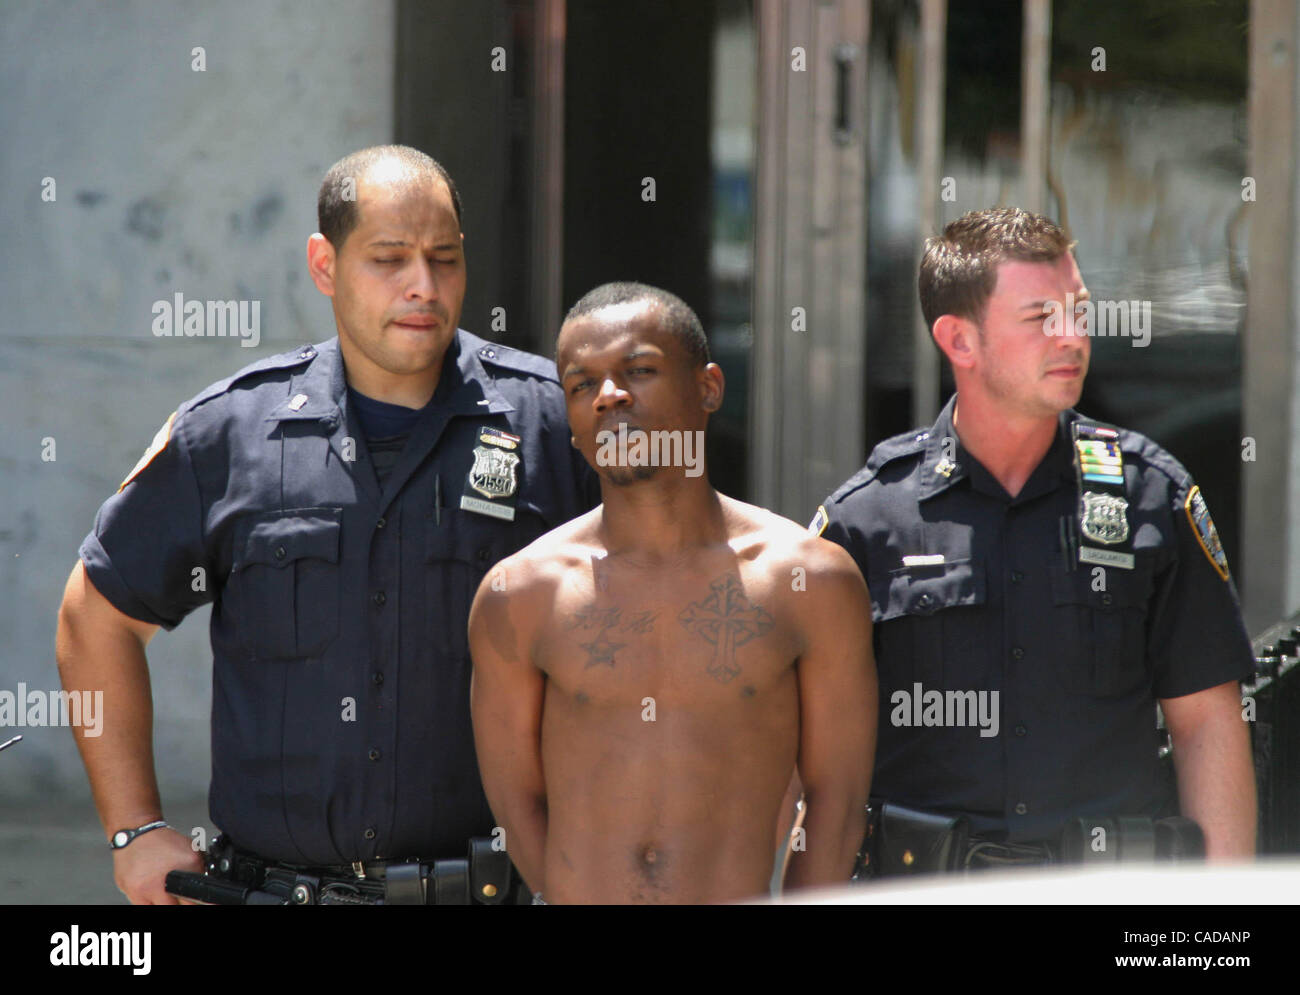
[386, 427]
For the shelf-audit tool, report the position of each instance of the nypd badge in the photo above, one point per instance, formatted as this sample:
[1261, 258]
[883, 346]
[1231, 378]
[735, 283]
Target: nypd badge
[1103, 519]
[1198, 513]
[494, 475]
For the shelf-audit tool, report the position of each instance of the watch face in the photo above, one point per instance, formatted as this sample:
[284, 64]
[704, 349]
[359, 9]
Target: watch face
[121, 838]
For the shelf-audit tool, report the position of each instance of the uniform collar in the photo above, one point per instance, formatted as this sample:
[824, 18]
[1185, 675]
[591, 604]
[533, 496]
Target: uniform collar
[316, 392]
[469, 361]
[938, 472]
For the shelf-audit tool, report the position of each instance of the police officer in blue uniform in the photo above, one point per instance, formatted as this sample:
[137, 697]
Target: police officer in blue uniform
[1039, 581]
[339, 504]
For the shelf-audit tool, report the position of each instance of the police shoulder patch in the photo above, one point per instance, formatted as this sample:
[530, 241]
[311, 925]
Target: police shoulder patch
[820, 520]
[159, 443]
[1198, 514]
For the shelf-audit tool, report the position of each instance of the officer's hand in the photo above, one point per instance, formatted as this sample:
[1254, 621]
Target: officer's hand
[140, 868]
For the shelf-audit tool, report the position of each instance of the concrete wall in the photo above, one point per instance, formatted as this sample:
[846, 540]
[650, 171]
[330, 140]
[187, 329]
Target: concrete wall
[167, 180]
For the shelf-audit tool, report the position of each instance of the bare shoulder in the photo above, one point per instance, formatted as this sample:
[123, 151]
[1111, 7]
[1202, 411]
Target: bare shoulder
[767, 537]
[518, 594]
[540, 566]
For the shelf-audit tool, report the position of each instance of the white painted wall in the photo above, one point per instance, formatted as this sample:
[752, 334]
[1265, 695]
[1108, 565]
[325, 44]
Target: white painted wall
[167, 180]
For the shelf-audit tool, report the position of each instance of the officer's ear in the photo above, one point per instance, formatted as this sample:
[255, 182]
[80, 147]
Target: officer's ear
[958, 339]
[320, 263]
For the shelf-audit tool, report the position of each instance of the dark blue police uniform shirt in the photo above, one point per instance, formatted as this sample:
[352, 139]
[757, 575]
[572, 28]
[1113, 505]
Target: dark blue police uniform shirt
[1078, 670]
[340, 714]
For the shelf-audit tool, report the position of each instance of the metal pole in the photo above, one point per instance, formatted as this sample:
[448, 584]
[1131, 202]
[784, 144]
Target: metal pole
[547, 256]
[1034, 125]
[929, 127]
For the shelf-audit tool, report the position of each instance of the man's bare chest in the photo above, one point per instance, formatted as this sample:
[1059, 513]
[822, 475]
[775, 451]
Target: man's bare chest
[695, 634]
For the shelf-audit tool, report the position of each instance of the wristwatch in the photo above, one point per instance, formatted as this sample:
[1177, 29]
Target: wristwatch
[124, 836]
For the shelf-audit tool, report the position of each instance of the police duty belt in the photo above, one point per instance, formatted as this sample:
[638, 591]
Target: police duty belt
[1103, 537]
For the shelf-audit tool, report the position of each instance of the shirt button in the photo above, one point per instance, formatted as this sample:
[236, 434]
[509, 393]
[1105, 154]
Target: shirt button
[280, 554]
[1021, 808]
[381, 523]
[1017, 653]
[1016, 576]
[1106, 600]
[925, 601]
[1021, 730]
[369, 834]
[379, 598]
[377, 677]
[373, 754]
[483, 555]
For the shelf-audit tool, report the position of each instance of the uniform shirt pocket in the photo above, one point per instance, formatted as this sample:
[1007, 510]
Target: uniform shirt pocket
[461, 547]
[284, 582]
[1104, 618]
[924, 632]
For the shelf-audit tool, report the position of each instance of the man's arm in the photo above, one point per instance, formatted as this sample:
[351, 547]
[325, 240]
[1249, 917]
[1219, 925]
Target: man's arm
[837, 720]
[1216, 776]
[506, 696]
[100, 648]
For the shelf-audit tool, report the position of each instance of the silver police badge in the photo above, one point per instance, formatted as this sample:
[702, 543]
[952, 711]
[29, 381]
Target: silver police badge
[1103, 518]
[493, 472]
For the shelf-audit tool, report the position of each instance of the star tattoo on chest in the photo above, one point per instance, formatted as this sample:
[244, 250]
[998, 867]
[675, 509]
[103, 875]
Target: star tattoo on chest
[727, 619]
[607, 621]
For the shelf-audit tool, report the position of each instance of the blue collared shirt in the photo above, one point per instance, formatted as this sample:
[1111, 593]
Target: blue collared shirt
[341, 669]
[985, 602]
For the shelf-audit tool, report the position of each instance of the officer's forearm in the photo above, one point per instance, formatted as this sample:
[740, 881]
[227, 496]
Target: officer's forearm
[96, 653]
[833, 829]
[1216, 778]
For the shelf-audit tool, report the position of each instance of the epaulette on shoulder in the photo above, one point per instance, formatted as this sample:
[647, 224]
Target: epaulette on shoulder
[891, 449]
[1154, 455]
[898, 446]
[300, 356]
[494, 354]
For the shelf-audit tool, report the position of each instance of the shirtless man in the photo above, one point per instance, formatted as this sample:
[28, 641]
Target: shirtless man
[647, 676]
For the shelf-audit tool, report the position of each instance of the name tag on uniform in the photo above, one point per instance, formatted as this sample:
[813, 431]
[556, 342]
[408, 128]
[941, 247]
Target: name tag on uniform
[930, 560]
[493, 481]
[1106, 557]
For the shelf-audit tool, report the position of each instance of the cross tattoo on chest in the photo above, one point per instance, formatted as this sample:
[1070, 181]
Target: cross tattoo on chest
[726, 619]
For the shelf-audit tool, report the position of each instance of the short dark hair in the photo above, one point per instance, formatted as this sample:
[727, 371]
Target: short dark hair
[337, 215]
[959, 268]
[675, 315]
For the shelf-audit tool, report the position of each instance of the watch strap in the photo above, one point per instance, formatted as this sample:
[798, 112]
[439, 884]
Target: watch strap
[124, 836]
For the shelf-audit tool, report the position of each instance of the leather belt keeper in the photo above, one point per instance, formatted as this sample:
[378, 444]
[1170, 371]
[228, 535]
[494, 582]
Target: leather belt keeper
[403, 885]
[489, 871]
[449, 883]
